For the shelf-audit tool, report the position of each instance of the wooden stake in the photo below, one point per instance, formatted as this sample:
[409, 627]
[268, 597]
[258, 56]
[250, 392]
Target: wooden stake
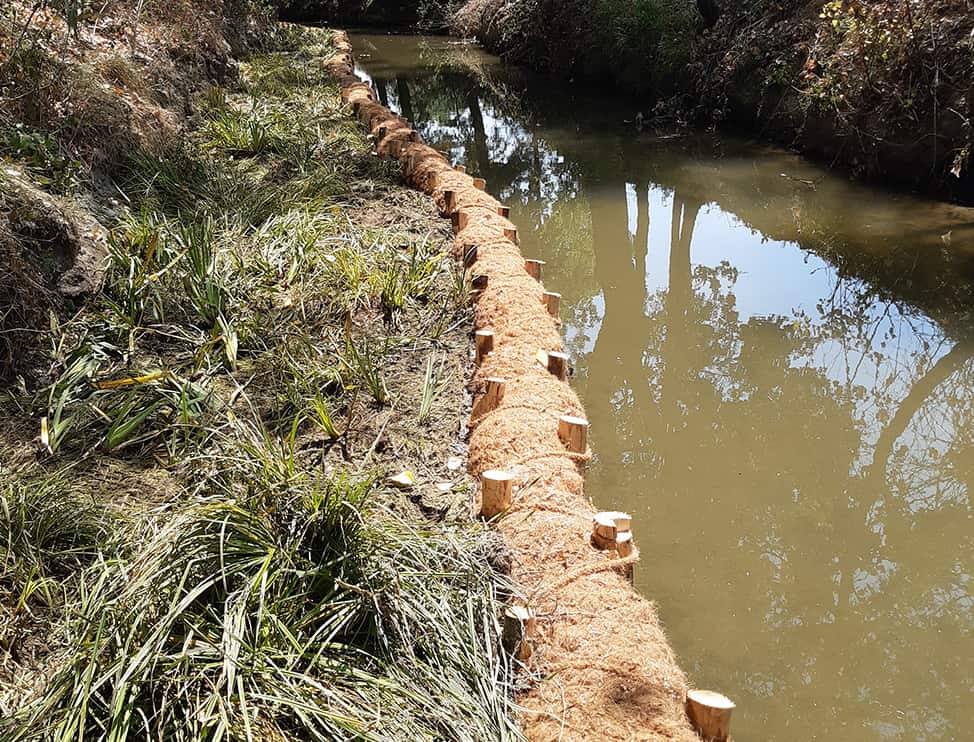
[511, 234]
[504, 211]
[484, 342]
[623, 521]
[494, 394]
[604, 527]
[558, 364]
[573, 432]
[496, 492]
[710, 713]
[480, 184]
[413, 136]
[533, 267]
[448, 197]
[460, 168]
[470, 256]
[382, 134]
[552, 302]
[624, 544]
[479, 281]
[459, 221]
[519, 630]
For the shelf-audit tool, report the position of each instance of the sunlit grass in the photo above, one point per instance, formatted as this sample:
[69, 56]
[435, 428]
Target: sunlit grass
[245, 327]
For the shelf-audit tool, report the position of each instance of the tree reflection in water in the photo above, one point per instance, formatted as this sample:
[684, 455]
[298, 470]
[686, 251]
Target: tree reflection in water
[799, 469]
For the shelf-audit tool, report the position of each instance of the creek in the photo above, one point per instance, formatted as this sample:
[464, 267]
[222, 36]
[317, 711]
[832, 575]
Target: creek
[778, 370]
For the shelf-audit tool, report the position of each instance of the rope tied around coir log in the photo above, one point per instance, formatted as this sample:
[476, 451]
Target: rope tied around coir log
[475, 421]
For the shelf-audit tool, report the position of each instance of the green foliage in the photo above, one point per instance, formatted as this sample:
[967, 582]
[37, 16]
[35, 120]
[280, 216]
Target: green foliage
[869, 54]
[47, 530]
[270, 596]
[640, 43]
[272, 605]
[39, 154]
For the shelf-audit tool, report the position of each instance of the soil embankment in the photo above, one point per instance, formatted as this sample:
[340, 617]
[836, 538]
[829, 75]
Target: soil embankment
[879, 89]
[606, 669]
[232, 497]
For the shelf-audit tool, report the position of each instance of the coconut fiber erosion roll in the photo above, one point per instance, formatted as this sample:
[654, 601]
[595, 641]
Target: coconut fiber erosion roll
[606, 669]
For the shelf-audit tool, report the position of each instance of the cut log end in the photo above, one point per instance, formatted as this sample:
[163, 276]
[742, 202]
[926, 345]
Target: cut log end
[558, 364]
[484, 344]
[493, 395]
[497, 491]
[573, 432]
[709, 713]
[552, 302]
[533, 268]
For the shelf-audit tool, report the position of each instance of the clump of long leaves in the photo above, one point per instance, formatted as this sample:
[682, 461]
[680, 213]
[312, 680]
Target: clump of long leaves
[279, 604]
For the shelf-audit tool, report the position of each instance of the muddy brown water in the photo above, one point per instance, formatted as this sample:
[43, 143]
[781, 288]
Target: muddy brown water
[778, 368]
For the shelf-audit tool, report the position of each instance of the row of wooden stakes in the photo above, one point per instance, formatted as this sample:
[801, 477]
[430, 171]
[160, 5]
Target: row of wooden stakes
[709, 712]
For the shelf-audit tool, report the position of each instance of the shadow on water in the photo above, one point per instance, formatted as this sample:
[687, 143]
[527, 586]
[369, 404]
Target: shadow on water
[778, 366]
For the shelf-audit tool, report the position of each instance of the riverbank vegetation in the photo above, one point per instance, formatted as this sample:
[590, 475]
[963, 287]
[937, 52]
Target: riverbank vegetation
[225, 328]
[882, 88]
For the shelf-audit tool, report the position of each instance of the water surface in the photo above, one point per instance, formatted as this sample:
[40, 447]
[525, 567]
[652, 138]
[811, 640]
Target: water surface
[778, 367]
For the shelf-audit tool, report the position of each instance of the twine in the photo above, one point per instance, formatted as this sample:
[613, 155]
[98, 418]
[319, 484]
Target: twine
[612, 565]
[474, 422]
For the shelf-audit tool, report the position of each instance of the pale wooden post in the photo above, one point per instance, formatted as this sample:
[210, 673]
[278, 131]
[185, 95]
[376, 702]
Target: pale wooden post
[533, 268]
[494, 394]
[573, 432]
[610, 529]
[520, 627]
[552, 302]
[604, 530]
[558, 364]
[484, 341]
[710, 713]
[624, 543]
[480, 184]
[460, 168]
[496, 492]
[511, 234]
